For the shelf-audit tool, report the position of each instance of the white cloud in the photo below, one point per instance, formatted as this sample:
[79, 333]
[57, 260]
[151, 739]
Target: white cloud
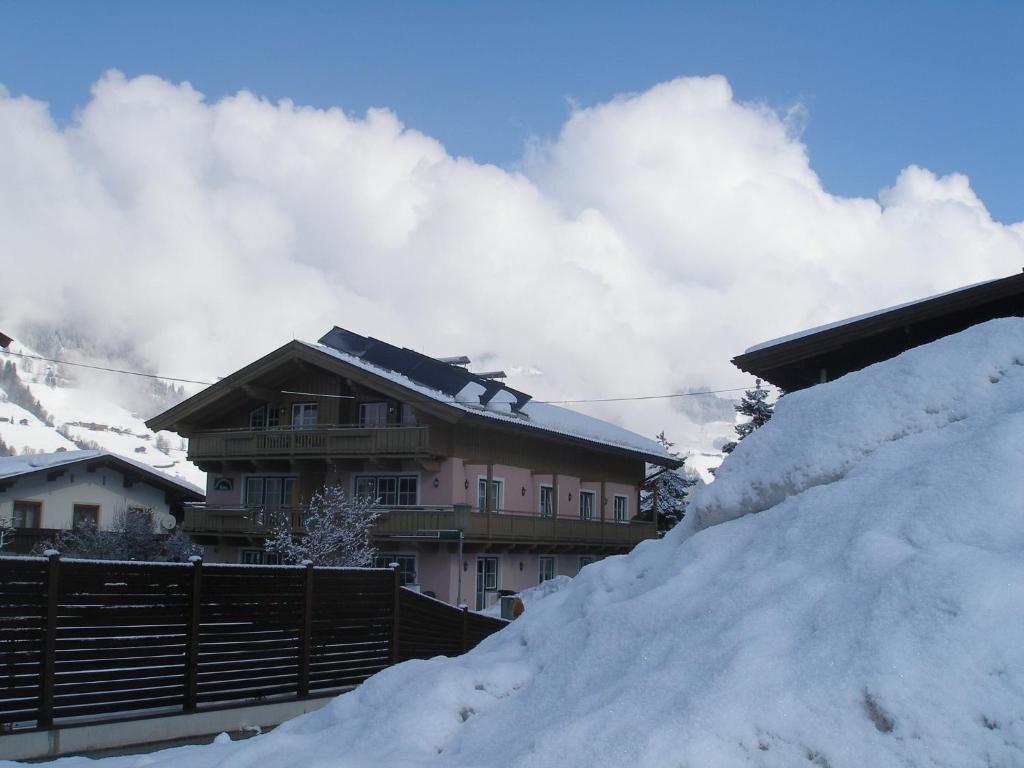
[658, 235]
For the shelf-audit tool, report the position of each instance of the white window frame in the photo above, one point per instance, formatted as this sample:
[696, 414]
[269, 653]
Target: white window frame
[301, 409]
[499, 502]
[553, 559]
[593, 504]
[625, 508]
[551, 498]
[376, 422]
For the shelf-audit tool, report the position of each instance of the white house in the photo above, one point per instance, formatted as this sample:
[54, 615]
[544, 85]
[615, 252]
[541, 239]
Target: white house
[43, 493]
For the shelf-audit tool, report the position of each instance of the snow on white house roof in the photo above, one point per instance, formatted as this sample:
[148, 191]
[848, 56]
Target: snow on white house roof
[540, 416]
[16, 466]
[858, 318]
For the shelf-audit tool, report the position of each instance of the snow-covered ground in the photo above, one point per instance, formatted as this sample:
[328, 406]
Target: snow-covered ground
[531, 596]
[848, 593]
[88, 416]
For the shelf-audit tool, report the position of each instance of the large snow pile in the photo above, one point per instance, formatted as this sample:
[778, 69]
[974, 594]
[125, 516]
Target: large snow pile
[531, 596]
[868, 614]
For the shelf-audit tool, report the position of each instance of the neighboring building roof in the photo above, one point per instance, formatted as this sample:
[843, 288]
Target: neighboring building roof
[827, 352]
[449, 389]
[12, 467]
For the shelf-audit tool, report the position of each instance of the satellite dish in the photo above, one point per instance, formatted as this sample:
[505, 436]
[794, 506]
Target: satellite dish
[167, 522]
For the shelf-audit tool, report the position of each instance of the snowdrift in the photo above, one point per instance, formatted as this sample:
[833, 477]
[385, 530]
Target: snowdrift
[848, 593]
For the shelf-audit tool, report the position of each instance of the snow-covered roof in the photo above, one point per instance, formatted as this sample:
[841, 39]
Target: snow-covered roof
[858, 318]
[541, 416]
[16, 466]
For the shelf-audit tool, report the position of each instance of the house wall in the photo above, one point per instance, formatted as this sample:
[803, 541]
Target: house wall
[103, 487]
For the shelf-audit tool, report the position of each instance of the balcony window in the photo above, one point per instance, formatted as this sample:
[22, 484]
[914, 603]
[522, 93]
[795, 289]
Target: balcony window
[271, 492]
[547, 501]
[497, 494]
[547, 569]
[263, 417]
[373, 414]
[85, 514]
[408, 416]
[259, 557]
[586, 505]
[388, 490]
[304, 414]
[621, 509]
[27, 514]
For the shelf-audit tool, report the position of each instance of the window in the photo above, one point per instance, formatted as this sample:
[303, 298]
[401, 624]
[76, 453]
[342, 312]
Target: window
[27, 514]
[406, 566]
[263, 417]
[407, 416]
[547, 569]
[259, 557]
[585, 560]
[586, 505]
[388, 490]
[621, 509]
[269, 491]
[85, 514]
[497, 494]
[547, 500]
[304, 414]
[486, 580]
[373, 414]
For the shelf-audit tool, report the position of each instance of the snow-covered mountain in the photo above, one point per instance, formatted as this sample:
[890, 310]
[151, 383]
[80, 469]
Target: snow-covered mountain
[45, 407]
[847, 593]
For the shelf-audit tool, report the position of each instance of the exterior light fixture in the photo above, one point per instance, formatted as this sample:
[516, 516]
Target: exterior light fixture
[466, 485]
[437, 482]
[523, 493]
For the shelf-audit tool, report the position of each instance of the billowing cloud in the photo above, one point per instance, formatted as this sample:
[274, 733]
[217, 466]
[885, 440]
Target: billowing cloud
[656, 236]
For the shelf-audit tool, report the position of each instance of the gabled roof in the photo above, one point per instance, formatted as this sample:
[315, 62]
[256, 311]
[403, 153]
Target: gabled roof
[801, 359]
[13, 467]
[445, 390]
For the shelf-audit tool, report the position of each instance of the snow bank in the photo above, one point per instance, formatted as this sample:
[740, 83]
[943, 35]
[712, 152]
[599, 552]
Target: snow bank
[532, 595]
[869, 614]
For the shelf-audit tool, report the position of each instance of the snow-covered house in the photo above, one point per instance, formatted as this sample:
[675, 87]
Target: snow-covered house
[822, 354]
[44, 493]
[532, 489]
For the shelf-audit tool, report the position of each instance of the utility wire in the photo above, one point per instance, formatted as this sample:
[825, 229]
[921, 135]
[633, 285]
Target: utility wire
[108, 370]
[312, 394]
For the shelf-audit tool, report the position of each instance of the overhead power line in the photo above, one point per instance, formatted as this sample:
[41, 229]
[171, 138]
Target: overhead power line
[632, 398]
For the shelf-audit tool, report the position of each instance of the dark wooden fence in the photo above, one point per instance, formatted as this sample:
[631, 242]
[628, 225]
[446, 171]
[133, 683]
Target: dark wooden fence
[84, 640]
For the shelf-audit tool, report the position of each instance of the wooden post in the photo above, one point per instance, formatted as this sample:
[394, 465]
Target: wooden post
[48, 667]
[192, 636]
[306, 639]
[465, 628]
[395, 618]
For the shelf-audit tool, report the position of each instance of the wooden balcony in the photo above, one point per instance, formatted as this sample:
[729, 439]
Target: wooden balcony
[415, 522]
[287, 442]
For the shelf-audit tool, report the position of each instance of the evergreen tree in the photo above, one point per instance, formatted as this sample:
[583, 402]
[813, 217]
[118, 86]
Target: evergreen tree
[663, 496]
[755, 406]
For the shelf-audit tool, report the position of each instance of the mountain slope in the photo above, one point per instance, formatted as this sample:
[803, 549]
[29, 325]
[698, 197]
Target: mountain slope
[847, 593]
[81, 416]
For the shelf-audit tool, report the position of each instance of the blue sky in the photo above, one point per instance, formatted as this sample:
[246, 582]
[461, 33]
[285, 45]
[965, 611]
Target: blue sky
[885, 85]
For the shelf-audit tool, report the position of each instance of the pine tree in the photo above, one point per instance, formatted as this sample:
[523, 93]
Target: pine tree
[755, 406]
[664, 492]
[336, 531]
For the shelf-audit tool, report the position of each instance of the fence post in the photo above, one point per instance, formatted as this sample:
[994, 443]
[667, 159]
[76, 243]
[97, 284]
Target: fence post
[48, 667]
[192, 637]
[465, 628]
[306, 641]
[394, 613]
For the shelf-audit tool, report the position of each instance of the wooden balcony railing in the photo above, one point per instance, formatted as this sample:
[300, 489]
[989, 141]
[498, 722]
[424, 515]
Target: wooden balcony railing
[493, 527]
[310, 441]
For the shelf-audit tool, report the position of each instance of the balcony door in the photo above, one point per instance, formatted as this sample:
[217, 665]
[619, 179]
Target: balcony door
[486, 581]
